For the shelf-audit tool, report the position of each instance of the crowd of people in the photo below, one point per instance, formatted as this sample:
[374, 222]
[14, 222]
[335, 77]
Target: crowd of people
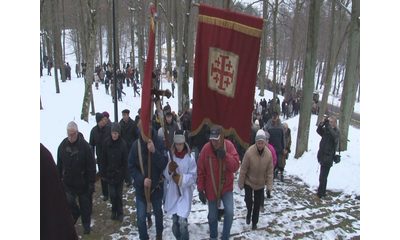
[207, 161]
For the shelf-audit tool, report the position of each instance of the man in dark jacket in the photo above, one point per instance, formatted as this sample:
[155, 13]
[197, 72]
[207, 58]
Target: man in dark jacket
[327, 147]
[97, 136]
[277, 138]
[75, 163]
[138, 168]
[198, 141]
[129, 129]
[114, 168]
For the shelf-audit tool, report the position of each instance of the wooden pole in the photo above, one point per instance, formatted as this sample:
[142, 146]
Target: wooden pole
[166, 137]
[222, 144]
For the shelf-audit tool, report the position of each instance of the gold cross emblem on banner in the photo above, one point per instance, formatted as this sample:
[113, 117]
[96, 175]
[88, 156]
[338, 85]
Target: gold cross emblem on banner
[222, 71]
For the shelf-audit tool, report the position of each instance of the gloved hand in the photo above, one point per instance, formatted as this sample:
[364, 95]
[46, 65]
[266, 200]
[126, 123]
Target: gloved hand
[172, 166]
[268, 194]
[202, 197]
[326, 123]
[176, 177]
[91, 189]
[221, 153]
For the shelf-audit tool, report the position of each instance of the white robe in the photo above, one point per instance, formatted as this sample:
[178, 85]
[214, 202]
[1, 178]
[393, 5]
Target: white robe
[175, 204]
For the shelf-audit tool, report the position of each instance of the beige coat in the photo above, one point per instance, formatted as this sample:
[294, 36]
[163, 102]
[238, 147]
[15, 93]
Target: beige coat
[257, 169]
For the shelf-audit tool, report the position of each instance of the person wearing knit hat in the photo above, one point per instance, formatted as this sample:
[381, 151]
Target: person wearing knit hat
[260, 136]
[107, 115]
[115, 127]
[99, 117]
[256, 170]
[181, 174]
[114, 169]
[96, 139]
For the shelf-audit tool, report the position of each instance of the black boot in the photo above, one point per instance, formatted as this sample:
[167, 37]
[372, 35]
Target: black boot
[248, 218]
[113, 215]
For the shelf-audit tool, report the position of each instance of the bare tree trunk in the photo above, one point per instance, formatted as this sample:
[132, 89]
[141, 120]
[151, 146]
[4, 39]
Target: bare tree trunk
[309, 77]
[132, 28]
[56, 34]
[329, 66]
[91, 51]
[101, 45]
[141, 58]
[293, 38]
[275, 54]
[110, 33]
[352, 75]
[264, 46]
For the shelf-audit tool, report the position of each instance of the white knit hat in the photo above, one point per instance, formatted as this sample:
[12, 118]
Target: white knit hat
[261, 135]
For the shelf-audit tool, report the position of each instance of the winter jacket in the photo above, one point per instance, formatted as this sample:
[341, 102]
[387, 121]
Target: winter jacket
[256, 169]
[171, 128]
[114, 161]
[75, 163]
[277, 135]
[97, 137]
[175, 204]
[55, 216]
[129, 132]
[288, 140]
[159, 160]
[201, 138]
[204, 179]
[328, 144]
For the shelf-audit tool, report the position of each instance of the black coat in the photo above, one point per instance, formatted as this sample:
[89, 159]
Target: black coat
[55, 216]
[129, 131]
[276, 135]
[114, 161]
[97, 137]
[328, 144]
[201, 138]
[75, 163]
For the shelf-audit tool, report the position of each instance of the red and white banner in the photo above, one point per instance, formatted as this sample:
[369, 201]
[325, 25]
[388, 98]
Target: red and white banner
[225, 71]
[145, 111]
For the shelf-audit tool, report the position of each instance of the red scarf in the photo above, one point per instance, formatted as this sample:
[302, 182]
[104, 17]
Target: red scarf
[180, 154]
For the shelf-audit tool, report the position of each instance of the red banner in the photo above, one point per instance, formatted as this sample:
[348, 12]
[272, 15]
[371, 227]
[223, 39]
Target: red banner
[145, 111]
[225, 71]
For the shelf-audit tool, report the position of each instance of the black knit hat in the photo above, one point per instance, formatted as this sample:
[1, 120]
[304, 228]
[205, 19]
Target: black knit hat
[99, 116]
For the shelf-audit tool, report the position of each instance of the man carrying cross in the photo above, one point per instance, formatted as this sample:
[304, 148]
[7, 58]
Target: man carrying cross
[218, 161]
[138, 168]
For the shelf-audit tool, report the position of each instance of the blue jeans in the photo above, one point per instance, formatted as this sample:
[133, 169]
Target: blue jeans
[142, 217]
[180, 227]
[227, 199]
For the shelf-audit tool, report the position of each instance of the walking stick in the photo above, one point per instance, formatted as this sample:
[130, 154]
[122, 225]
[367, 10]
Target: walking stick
[220, 172]
[147, 189]
[162, 121]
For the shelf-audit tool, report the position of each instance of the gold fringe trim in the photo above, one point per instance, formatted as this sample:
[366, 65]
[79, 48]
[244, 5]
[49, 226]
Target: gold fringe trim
[226, 132]
[153, 25]
[254, 32]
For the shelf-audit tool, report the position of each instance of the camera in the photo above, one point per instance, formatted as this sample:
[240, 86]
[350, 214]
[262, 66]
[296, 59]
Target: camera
[326, 119]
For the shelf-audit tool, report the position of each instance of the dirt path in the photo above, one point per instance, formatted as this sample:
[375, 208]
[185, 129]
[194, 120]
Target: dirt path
[291, 213]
